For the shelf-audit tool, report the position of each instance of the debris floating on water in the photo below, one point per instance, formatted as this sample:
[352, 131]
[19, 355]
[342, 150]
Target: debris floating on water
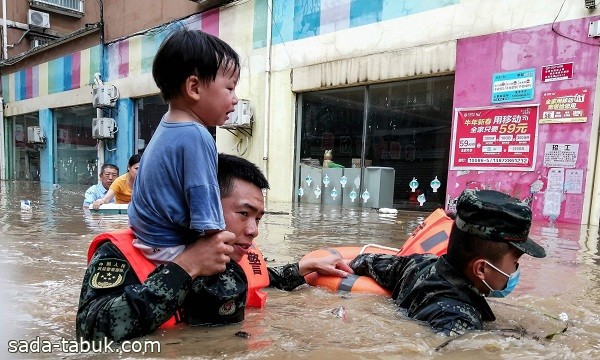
[243, 334]
[339, 312]
[25, 205]
[388, 211]
[563, 316]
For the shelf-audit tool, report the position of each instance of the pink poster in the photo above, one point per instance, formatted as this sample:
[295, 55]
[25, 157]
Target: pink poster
[495, 138]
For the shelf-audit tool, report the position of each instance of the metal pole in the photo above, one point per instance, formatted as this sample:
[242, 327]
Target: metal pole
[4, 31]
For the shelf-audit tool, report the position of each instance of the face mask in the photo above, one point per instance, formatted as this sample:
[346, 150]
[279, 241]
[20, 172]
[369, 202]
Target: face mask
[513, 280]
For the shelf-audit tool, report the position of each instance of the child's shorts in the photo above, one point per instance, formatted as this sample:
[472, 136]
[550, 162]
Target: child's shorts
[159, 255]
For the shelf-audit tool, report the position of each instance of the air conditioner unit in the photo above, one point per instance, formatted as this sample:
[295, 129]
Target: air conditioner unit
[35, 135]
[242, 116]
[590, 4]
[103, 128]
[38, 19]
[104, 96]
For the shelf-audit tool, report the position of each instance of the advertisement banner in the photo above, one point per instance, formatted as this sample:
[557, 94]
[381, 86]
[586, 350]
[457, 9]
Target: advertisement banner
[495, 138]
[565, 106]
[513, 86]
[557, 72]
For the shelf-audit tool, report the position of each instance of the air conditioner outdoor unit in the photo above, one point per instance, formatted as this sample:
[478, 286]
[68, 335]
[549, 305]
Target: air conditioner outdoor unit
[242, 116]
[590, 4]
[104, 96]
[103, 128]
[38, 19]
[39, 42]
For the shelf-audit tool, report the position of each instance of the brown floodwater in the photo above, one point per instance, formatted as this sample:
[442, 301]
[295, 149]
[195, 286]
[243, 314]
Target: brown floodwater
[553, 313]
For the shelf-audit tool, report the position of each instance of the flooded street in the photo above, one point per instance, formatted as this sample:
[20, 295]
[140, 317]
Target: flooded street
[553, 313]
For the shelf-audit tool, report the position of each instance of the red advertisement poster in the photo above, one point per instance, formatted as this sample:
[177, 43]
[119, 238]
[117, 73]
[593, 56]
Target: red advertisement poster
[565, 106]
[557, 72]
[495, 138]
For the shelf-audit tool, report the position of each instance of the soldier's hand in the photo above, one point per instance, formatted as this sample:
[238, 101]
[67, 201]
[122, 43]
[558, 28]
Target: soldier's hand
[329, 265]
[208, 255]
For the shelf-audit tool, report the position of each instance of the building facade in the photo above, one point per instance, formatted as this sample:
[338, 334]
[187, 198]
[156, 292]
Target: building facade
[349, 102]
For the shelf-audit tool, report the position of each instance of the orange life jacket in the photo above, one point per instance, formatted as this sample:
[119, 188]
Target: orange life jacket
[253, 264]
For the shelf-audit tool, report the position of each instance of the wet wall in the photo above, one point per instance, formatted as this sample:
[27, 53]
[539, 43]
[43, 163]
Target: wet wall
[556, 183]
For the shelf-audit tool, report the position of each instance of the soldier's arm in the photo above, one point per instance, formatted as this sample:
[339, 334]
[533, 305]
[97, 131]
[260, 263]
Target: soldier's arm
[285, 277]
[120, 308]
[450, 317]
[387, 270]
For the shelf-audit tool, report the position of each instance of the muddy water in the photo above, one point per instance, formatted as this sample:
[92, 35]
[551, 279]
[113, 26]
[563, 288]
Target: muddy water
[42, 261]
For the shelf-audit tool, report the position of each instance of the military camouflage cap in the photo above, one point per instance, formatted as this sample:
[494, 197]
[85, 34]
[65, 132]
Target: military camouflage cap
[496, 216]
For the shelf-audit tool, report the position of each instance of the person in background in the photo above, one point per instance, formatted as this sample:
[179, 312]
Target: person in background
[122, 187]
[489, 235]
[108, 174]
[201, 283]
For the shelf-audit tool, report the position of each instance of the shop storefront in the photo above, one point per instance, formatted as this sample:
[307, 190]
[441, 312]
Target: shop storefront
[398, 133]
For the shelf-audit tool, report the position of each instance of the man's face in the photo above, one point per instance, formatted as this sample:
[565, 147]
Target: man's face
[508, 264]
[243, 209]
[108, 176]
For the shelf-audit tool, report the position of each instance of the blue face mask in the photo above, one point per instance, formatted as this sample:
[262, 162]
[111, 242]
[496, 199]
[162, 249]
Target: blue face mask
[513, 280]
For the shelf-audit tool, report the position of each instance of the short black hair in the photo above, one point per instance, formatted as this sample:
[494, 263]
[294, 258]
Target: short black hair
[233, 167]
[134, 159]
[464, 247]
[108, 166]
[190, 52]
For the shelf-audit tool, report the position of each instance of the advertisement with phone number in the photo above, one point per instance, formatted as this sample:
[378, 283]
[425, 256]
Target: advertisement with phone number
[495, 138]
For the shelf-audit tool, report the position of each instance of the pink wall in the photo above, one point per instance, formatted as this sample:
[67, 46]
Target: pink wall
[480, 57]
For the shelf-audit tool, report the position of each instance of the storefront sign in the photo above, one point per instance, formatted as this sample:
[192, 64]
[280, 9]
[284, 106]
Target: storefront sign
[513, 86]
[494, 138]
[564, 106]
[557, 72]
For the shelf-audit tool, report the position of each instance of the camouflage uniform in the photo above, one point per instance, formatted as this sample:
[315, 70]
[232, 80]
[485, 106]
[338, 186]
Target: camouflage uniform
[428, 288]
[114, 304]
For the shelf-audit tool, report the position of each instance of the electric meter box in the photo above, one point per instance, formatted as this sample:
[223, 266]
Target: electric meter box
[103, 128]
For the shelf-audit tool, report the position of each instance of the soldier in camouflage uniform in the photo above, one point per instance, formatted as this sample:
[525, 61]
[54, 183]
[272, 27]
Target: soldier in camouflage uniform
[489, 235]
[116, 305]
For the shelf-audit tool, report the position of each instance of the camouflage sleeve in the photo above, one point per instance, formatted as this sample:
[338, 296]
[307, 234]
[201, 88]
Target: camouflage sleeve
[285, 277]
[387, 270]
[450, 317]
[115, 305]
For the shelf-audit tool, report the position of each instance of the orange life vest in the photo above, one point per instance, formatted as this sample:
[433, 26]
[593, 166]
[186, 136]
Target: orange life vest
[431, 237]
[253, 264]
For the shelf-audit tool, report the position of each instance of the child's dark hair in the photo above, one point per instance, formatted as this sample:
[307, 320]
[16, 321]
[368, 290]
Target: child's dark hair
[464, 247]
[134, 159]
[190, 52]
[232, 167]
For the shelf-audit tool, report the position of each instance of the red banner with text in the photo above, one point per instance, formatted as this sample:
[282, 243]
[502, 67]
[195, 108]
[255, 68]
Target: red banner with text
[495, 138]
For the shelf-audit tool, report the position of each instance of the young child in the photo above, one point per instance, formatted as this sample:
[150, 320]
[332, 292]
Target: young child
[176, 199]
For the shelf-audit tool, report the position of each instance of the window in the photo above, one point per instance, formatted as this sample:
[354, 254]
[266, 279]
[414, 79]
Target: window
[404, 126]
[74, 8]
[23, 157]
[76, 160]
